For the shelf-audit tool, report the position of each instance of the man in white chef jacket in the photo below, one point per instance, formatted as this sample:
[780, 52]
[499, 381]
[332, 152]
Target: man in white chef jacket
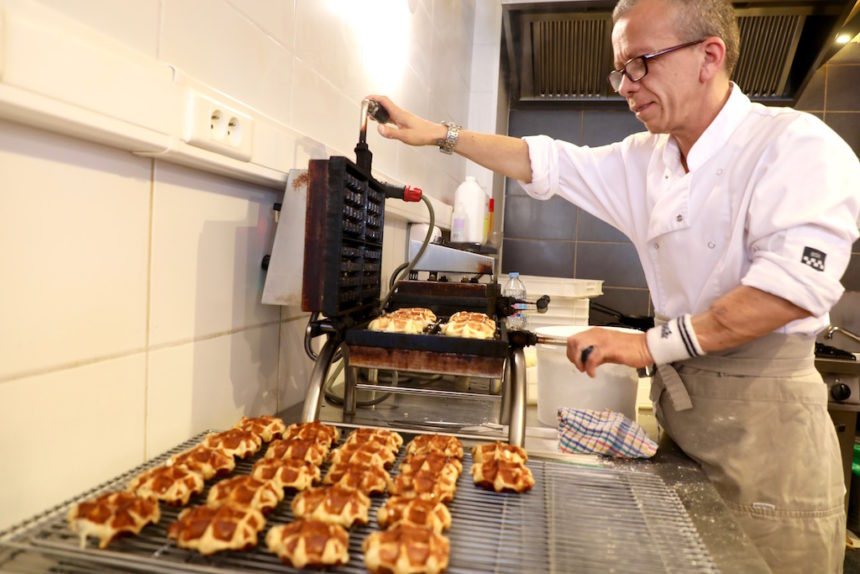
[743, 217]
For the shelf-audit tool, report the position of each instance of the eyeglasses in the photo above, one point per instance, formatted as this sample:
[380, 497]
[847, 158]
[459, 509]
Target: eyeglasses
[637, 68]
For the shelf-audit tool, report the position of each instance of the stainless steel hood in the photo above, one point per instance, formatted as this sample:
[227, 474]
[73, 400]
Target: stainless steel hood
[561, 51]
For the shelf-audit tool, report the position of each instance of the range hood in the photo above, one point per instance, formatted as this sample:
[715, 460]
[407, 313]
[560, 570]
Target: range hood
[561, 51]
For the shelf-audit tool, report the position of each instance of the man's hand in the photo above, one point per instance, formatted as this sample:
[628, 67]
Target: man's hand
[408, 127]
[506, 155]
[608, 346]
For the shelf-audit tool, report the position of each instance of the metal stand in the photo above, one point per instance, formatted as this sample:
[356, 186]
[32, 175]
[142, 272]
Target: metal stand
[515, 395]
[311, 408]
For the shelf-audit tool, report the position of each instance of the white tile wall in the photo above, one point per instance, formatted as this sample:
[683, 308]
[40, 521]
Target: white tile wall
[134, 22]
[129, 306]
[73, 251]
[218, 45]
[209, 235]
[210, 384]
[64, 432]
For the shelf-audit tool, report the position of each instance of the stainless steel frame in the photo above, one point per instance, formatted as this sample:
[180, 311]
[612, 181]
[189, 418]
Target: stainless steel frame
[513, 391]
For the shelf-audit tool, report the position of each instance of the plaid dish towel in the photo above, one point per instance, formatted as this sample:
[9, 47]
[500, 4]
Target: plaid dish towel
[587, 431]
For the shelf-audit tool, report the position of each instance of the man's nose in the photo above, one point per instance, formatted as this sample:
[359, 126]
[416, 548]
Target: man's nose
[627, 86]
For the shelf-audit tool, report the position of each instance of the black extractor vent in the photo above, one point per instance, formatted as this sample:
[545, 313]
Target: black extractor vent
[562, 52]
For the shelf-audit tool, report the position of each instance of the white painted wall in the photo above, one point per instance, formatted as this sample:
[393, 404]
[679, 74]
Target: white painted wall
[130, 314]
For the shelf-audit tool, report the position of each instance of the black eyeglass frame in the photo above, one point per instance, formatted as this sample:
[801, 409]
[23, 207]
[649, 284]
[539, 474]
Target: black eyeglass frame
[621, 72]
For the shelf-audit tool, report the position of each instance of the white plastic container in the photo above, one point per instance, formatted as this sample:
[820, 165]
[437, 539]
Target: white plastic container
[559, 384]
[471, 200]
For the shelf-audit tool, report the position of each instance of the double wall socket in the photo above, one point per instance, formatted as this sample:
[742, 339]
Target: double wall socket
[218, 127]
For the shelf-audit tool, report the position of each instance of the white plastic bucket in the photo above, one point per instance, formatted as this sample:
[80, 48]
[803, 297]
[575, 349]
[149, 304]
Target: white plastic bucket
[559, 384]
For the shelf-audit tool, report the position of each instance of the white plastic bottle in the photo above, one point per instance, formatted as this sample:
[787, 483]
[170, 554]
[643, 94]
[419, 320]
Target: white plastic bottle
[470, 199]
[515, 287]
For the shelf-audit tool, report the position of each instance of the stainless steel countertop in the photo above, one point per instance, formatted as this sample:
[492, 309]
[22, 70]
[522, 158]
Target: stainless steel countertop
[729, 546]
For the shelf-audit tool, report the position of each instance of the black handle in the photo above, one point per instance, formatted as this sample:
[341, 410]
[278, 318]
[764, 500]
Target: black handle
[586, 352]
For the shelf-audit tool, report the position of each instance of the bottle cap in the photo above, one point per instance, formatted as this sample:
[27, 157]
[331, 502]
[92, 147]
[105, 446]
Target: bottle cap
[513, 274]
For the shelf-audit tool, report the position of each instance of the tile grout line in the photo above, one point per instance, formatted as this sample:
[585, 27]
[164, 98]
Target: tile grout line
[129, 353]
[148, 306]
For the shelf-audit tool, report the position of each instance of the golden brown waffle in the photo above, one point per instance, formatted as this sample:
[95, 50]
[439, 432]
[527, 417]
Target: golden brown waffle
[206, 461]
[389, 439]
[235, 442]
[414, 511]
[367, 478]
[112, 514]
[320, 432]
[308, 450]
[311, 543]
[425, 484]
[501, 476]
[370, 453]
[434, 462]
[265, 427]
[246, 492]
[435, 443]
[469, 325]
[210, 529]
[332, 504]
[406, 549]
[499, 451]
[408, 320]
[171, 484]
[286, 472]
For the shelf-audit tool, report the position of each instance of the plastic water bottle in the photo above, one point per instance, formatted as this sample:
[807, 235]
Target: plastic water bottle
[515, 288]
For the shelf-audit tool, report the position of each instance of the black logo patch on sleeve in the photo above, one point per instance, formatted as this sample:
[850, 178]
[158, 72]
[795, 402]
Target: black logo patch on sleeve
[814, 258]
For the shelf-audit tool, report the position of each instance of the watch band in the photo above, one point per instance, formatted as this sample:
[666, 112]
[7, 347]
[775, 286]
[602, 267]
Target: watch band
[447, 145]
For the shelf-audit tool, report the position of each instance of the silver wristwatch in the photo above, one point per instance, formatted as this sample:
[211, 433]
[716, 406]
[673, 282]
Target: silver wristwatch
[447, 145]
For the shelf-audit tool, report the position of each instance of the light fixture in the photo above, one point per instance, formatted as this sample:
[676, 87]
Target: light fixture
[843, 38]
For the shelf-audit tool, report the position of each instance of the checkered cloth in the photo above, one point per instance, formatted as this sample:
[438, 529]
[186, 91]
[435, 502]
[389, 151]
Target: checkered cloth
[586, 431]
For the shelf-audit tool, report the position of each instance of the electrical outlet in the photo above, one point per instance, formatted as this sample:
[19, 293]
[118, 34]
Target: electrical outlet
[216, 126]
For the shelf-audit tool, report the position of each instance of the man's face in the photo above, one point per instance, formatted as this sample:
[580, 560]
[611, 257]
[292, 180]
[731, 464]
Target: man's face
[665, 99]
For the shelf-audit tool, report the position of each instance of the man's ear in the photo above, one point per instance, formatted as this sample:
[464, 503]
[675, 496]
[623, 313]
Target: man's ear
[715, 55]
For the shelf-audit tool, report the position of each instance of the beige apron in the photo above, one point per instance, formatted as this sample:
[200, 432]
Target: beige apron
[756, 419]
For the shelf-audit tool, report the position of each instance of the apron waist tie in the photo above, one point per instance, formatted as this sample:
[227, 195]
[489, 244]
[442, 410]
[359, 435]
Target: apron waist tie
[670, 380]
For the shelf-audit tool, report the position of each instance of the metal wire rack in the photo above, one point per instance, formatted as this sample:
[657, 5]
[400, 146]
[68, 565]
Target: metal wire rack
[575, 519]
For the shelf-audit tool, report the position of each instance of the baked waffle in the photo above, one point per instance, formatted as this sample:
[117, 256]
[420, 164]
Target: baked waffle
[406, 549]
[245, 492]
[415, 511]
[469, 325]
[433, 462]
[389, 439]
[438, 443]
[371, 453]
[112, 514]
[205, 461]
[500, 475]
[367, 478]
[320, 432]
[171, 484]
[308, 450]
[408, 320]
[235, 442]
[332, 504]
[286, 472]
[265, 427]
[499, 451]
[425, 484]
[309, 543]
[210, 529]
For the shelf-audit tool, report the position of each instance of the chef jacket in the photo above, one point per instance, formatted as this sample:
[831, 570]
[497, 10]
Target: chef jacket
[771, 200]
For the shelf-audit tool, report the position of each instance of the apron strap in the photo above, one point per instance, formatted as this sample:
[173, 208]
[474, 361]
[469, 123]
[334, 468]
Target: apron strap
[670, 380]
